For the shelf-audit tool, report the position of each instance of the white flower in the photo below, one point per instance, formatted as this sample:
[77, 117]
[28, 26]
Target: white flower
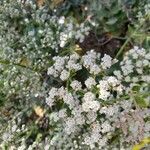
[95, 69]
[103, 94]
[14, 128]
[70, 126]
[135, 55]
[146, 62]
[140, 51]
[147, 56]
[139, 63]
[103, 85]
[76, 85]
[91, 116]
[73, 64]
[6, 136]
[112, 81]
[95, 137]
[139, 70]
[53, 92]
[109, 111]
[59, 63]
[80, 120]
[47, 147]
[52, 71]
[135, 79]
[54, 116]
[127, 79]
[63, 37]
[106, 61]
[61, 20]
[89, 96]
[62, 113]
[118, 74]
[96, 127]
[89, 59]
[61, 92]
[106, 127]
[69, 99]
[22, 147]
[90, 82]
[74, 57]
[91, 106]
[127, 69]
[146, 78]
[49, 101]
[102, 142]
[62, 43]
[64, 75]
[119, 89]
[128, 62]
[40, 31]
[87, 140]
[31, 33]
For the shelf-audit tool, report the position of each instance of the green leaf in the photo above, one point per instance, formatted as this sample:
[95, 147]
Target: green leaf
[130, 30]
[140, 101]
[112, 21]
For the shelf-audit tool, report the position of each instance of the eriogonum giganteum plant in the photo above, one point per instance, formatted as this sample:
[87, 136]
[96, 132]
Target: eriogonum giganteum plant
[90, 113]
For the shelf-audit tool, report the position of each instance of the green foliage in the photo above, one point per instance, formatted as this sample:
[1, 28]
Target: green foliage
[68, 7]
[113, 15]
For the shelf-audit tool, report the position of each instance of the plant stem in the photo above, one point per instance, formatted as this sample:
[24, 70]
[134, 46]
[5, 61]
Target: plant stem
[123, 46]
[129, 38]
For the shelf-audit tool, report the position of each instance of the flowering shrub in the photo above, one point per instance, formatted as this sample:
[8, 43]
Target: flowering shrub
[103, 104]
[54, 94]
[29, 37]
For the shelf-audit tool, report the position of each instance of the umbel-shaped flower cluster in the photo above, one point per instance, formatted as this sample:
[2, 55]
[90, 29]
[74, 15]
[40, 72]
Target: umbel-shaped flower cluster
[90, 113]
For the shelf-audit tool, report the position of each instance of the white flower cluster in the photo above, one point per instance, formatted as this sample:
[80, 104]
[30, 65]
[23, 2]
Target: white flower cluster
[90, 62]
[28, 36]
[90, 82]
[135, 68]
[81, 114]
[109, 84]
[12, 130]
[100, 106]
[36, 34]
[60, 93]
[90, 103]
[82, 32]
[76, 85]
[94, 110]
[73, 114]
[143, 15]
[64, 65]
